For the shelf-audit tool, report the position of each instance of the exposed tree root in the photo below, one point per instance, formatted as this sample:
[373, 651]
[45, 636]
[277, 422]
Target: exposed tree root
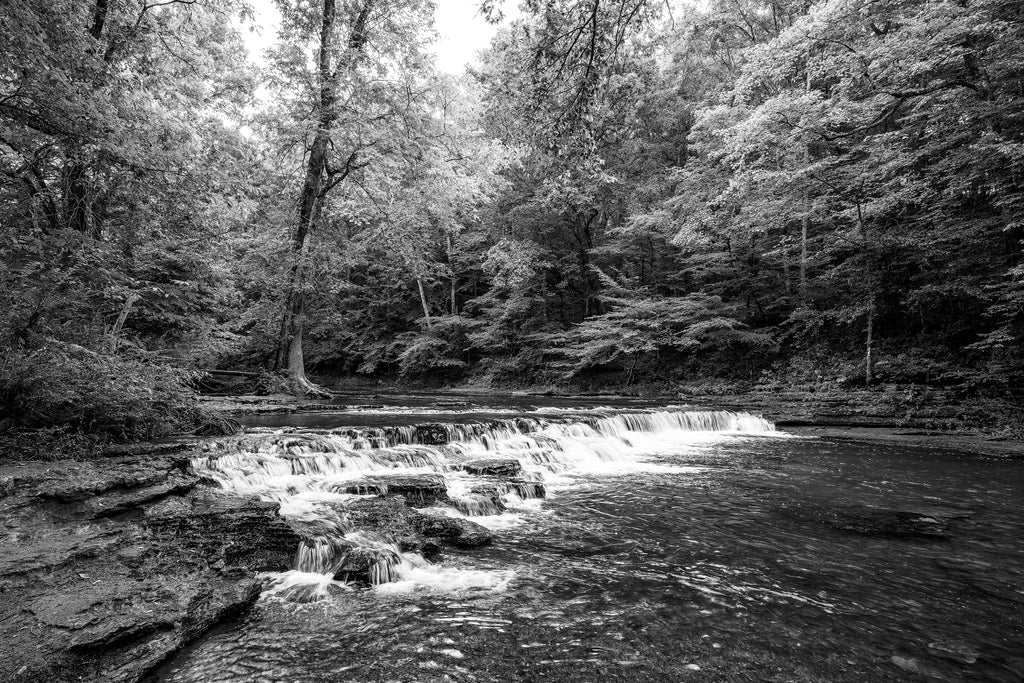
[300, 385]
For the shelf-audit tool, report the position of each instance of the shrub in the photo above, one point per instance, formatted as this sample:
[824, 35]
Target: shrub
[70, 390]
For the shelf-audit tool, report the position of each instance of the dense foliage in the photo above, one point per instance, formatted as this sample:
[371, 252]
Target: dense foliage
[623, 192]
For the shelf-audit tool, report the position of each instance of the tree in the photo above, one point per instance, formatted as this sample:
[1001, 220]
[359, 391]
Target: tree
[331, 68]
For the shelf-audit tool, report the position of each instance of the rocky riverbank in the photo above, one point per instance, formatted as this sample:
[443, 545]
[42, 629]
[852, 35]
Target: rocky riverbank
[112, 565]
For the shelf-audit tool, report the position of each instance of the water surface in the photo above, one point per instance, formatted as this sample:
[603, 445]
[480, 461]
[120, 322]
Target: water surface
[718, 555]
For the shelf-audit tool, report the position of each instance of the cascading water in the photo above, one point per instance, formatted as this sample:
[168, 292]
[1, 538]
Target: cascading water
[844, 558]
[490, 471]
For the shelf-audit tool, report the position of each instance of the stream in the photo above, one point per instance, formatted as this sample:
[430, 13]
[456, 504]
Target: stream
[638, 542]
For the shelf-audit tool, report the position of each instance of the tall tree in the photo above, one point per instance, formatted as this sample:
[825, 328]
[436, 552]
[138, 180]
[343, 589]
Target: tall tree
[332, 66]
[348, 104]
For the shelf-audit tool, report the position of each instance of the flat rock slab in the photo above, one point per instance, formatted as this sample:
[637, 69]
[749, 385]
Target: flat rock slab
[391, 517]
[243, 532]
[869, 521]
[495, 467]
[122, 501]
[418, 490]
[90, 594]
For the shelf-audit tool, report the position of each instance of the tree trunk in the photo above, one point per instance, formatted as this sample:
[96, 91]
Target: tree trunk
[78, 205]
[632, 368]
[289, 349]
[115, 331]
[76, 200]
[807, 213]
[786, 275]
[803, 250]
[423, 301]
[451, 265]
[869, 374]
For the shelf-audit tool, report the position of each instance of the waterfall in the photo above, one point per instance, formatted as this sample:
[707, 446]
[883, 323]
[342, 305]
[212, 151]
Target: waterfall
[485, 470]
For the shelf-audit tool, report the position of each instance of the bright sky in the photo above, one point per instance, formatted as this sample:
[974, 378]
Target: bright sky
[462, 31]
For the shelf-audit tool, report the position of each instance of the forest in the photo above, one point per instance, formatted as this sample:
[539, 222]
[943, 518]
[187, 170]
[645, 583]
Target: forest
[621, 195]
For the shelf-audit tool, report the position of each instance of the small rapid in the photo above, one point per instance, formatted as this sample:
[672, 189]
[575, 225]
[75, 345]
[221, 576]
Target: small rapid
[629, 545]
[491, 472]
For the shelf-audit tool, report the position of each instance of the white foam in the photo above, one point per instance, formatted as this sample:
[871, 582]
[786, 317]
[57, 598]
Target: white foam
[286, 585]
[438, 579]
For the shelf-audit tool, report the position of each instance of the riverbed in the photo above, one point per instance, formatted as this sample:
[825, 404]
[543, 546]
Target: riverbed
[663, 549]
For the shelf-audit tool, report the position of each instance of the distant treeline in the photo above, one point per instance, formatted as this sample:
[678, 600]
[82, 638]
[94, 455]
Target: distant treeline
[622, 192]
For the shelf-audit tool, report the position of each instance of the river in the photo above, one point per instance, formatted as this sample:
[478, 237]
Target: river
[671, 545]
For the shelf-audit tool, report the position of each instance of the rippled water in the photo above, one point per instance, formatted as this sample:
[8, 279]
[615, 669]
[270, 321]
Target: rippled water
[732, 557]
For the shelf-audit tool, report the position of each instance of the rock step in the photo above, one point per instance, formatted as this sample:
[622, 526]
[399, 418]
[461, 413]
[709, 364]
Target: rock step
[495, 467]
[418, 490]
[391, 517]
[524, 488]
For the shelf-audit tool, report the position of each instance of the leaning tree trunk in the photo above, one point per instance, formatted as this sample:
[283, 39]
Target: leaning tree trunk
[423, 302]
[314, 187]
[115, 331]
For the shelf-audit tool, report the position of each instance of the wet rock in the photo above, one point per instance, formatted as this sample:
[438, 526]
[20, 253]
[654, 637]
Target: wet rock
[871, 521]
[369, 564]
[914, 666]
[432, 434]
[93, 595]
[392, 518]
[907, 664]
[523, 488]
[70, 482]
[455, 530]
[498, 467]
[958, 652]
[418, 543]
[387, 515]
[122, 501]
[243, 532]
[418, 490]
[366, 556]
[479, 504]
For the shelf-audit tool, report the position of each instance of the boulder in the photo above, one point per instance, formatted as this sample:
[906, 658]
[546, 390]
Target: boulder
[455, 530]
[418, 543]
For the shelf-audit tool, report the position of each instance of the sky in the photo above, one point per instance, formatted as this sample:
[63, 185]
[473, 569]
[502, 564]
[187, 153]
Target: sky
[462, 31]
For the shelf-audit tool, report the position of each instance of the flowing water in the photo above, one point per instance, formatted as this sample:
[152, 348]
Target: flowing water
[638, 543]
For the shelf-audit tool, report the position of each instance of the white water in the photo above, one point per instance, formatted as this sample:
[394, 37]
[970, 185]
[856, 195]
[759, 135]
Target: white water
[314, 474]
